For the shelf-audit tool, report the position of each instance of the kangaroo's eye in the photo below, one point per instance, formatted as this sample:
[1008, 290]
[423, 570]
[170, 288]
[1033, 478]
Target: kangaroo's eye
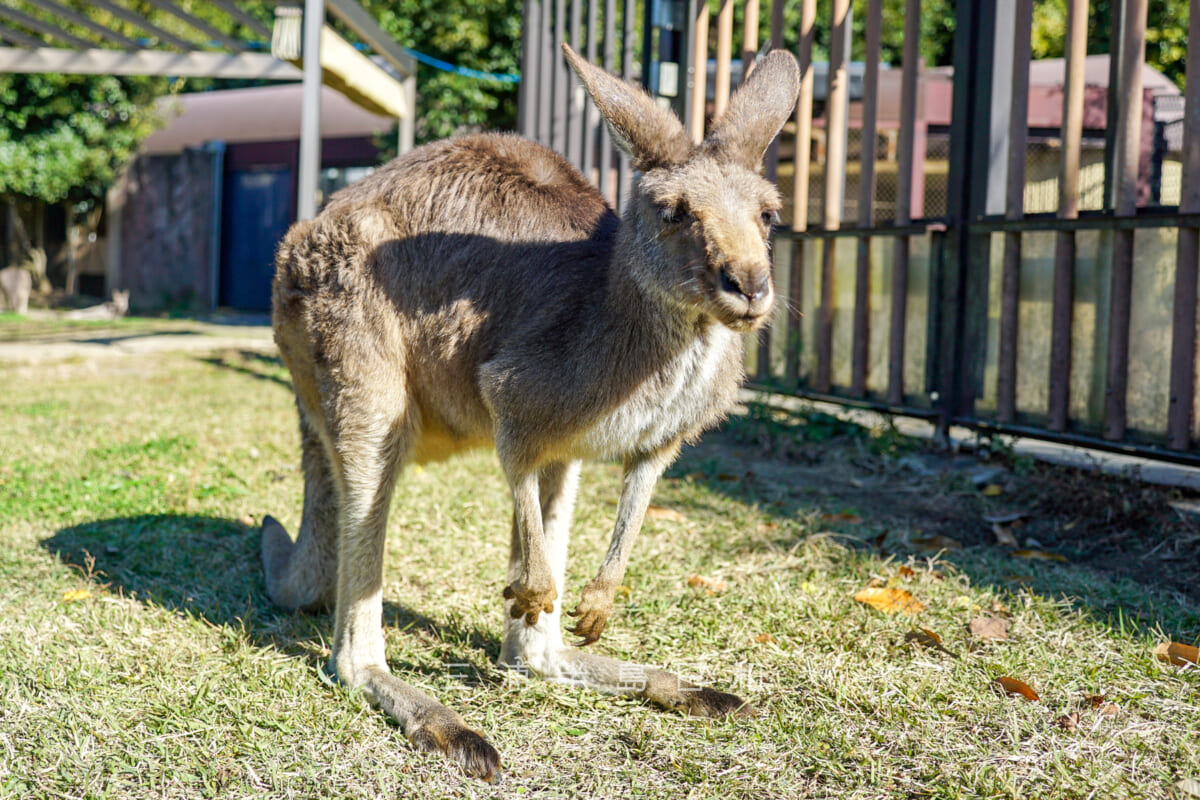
[770, 218]
[674, 214]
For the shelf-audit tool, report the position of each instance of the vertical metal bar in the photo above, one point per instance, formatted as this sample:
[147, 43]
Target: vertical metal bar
[571, 129]
[1183, 324]
[606, 147]
[408, 124]
[866, 202]
[531, 12]
[772, 161]
[1118, 14]
[804, 105]
[589, 116]
[898, 325]
[560, 110]
[721, 82]
[749, 37]
[700, 69]
[623, 166]
[1128, 141]
[545, 76]
[1058, 411]
[310, 111]
[835, 173]
[1010, 282]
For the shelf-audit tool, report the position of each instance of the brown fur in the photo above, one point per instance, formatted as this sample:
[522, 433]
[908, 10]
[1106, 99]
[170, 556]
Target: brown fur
[479, 290]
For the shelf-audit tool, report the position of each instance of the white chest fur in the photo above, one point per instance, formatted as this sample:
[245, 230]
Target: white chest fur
[665, 406]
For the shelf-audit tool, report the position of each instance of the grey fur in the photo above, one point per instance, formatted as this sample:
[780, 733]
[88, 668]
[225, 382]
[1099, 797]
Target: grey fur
[478, 290]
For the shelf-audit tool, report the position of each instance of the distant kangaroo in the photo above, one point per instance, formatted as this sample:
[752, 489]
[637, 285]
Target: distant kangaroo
[479, 290]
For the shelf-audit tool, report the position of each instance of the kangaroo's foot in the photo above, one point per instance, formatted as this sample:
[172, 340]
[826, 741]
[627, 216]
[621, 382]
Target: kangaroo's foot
[428, 724]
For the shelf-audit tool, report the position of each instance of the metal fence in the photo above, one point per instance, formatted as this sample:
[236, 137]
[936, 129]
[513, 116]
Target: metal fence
[963, 243]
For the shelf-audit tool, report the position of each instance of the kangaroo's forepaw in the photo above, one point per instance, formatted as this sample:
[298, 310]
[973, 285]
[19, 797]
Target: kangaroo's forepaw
[465, 747]
[593, 611]
[530, 601]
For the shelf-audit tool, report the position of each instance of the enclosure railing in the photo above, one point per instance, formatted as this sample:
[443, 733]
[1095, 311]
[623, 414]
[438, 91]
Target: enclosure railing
[958, 244]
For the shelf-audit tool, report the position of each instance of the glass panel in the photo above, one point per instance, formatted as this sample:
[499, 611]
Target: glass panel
[1150, 329]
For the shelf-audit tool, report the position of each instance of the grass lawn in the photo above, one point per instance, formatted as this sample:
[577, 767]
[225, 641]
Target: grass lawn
[143, 659]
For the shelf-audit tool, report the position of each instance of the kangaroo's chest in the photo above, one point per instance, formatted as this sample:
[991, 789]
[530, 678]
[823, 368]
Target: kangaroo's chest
[690, 392]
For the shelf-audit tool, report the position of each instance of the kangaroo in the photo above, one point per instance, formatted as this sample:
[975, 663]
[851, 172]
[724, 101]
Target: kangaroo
[478, 290]
[114, 309]
[16, 285]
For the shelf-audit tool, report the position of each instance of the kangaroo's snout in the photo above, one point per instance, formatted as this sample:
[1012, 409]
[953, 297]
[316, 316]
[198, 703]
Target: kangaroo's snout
[746, 283]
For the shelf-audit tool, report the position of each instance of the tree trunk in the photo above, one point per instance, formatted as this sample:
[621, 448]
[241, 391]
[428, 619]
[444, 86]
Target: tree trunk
[72, 250]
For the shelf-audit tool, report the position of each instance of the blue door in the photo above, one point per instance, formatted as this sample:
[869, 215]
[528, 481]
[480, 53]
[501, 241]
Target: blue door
[256, 212]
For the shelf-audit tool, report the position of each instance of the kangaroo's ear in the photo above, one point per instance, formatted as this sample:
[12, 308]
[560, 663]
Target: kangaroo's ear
[757, 111]
[653, 136]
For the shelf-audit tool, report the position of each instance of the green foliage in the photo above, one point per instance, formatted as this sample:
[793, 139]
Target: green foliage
[66, 136]
[483, 35]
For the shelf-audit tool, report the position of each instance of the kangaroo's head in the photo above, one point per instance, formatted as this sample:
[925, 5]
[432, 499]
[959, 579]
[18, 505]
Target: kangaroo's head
[702, 213]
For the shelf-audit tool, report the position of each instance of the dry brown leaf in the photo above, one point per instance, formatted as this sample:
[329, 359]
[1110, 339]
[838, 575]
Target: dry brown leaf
[1094, 700]
[877, 541]
[727, 477]
[1039, 555]
[764, 638]
[890, 600]
[1004, 536]
[768, 526]
[906, 571]
[989, 629]
[924, 636]
[74, 595]
[1109, 710]
[1177, 654]
[1069, 722]
[936, 543]
[711, 586]
[665, 514]
[842, 516]
[1014, 686]
[993, 490]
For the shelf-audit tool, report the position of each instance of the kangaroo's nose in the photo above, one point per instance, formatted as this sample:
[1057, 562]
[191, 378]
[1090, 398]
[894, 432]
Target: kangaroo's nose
[742, 285]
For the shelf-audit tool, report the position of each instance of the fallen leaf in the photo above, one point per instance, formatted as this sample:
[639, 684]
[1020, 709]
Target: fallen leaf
[1004, 517]
[877, 541]
[711, 586]
[999, 609]
[1069, 722]
[769, 526]
[936, 543]
[1188, 787]
[726, 476]
[906, 571]
[1094, 700]
[842, 516]
[73, 595]
[1004, 536]
[993, 490]
[665, 514]
[890, 600]
[924, 637]
[1014, 686]
[1177, 654]
[989, 629]
[1039, 555]
[764, 638]
[1109, 710]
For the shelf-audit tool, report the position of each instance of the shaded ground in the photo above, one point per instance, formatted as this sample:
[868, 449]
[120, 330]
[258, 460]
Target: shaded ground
[902, 496]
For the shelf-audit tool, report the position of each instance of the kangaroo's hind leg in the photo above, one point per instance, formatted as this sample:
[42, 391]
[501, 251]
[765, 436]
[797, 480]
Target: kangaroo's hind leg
[371, 435]
[302, 575]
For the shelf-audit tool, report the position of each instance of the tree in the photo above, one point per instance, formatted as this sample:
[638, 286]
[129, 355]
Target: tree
[64, 139]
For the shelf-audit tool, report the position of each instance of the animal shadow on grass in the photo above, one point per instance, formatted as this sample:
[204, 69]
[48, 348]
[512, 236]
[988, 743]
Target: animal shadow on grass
[208, 568]
[251, 364]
